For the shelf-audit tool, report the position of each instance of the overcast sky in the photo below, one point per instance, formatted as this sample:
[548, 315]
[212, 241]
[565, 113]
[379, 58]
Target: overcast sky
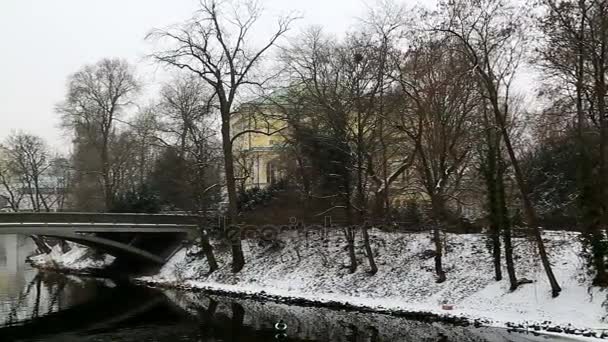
[44, 41]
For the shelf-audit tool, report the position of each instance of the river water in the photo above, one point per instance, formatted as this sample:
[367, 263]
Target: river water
[44, 306]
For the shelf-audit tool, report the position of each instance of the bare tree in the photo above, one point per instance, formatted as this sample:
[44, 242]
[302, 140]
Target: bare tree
[60, 173]
[573, 60]
[342, 84]
[215, 45]
[10, 180]
[440, 99]
[322, 70]
[388, 161]
[492, 168]
[186, 127]
[97, 98]
[491, 37]
[24, 175]
[144, 128]
[28, 159]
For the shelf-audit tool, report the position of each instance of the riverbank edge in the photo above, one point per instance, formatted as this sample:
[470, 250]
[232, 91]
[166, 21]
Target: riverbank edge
[421, 316]
[417, 315]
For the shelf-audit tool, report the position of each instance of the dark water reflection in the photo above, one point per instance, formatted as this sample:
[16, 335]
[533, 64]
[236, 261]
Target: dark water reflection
[49, 307]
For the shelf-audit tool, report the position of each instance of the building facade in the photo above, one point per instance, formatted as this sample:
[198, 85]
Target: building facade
[258, 148]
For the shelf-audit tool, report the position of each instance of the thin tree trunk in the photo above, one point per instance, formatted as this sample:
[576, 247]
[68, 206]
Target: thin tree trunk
[208, 250]
[361, 202]
[234, 234]
[509, 258]
[496, 253]
[368, 251]
[350, 233]
[438, 254]
[490, 172]
[105, 174]
[39, 192]
[492, 175]
[527, 203]
[437, 204]
[349, 230]
[505, 222]
[598, 249]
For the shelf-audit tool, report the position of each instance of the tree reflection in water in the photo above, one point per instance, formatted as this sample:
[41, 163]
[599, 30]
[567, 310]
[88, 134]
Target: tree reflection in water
[55, 307]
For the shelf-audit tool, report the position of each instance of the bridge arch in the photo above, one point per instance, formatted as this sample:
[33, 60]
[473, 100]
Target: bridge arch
[107, 246]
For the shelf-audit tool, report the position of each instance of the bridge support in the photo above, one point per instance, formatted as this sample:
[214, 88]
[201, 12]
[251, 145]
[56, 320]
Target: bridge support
[11, 248]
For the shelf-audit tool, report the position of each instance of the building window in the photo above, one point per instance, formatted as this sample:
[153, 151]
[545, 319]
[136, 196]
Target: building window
[270, 173]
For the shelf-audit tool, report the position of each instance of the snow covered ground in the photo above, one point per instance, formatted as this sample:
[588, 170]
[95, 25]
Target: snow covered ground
[313, 267]
[78, 259]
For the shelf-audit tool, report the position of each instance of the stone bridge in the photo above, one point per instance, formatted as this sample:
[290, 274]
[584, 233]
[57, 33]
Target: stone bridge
[146, 238]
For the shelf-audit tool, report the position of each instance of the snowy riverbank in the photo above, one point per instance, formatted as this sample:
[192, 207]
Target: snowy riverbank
[313, 323]
[313, 270]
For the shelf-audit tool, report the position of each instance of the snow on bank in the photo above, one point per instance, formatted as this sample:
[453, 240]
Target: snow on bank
[313, 268]
[78, 259]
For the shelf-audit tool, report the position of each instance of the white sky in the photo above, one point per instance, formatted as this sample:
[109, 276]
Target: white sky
[44, 41]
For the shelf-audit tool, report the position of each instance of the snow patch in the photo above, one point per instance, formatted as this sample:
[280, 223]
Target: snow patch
[79, 258]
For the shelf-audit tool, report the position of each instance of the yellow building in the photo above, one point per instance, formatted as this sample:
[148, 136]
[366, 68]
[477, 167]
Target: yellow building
[260, 146]
[260, 139]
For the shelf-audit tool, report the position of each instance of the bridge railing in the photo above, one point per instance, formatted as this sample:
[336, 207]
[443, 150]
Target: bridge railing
[115, 218]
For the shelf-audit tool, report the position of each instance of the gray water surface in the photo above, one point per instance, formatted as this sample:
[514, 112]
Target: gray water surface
[45, 306]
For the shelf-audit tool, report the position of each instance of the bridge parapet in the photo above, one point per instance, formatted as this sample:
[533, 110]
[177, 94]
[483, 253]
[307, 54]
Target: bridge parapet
[51, 223]
[92, 218]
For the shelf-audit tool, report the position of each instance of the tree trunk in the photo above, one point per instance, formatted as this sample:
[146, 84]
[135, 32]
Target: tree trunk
[233, 234]
[349, 234]
[368, 251]
[361, 202]
[105, 174]
[438, 211]
[496, 253]
[490, 171]
[208, 250]
[438, 253]
[509, 258]
[39, 195]
[597, 235]
[349, 231]
[528, 208]
[489, 168]
[505, 223]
